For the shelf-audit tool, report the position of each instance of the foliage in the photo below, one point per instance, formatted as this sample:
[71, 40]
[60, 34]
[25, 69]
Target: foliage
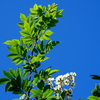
[95, 92]
[29, 51]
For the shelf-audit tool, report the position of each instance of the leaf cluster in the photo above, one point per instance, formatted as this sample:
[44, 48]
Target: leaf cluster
[29, 51]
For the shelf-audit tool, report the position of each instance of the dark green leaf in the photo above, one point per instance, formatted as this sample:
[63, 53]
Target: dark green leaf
[25, 84]
[96, 77]
[46, 88]
[14, 82]
[4, 80]
[40, 85]
[54, 43]
[15, 90]
[8, 85]
[12, 55]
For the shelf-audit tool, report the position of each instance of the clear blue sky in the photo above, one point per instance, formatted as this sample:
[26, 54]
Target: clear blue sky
[79, 31]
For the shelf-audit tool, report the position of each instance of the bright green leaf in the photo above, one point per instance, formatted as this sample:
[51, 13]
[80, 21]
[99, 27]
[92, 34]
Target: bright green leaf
[12, 49]
[53, 71]
[35, 80]
[93, 98]
[47, 93]
[48, 33]
[22, 17]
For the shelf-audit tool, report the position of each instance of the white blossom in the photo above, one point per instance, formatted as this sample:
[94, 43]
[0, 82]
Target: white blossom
[50, 79]
[59, 78]
[73, 73]
[66, 75]
[66, 82]
[57, 87]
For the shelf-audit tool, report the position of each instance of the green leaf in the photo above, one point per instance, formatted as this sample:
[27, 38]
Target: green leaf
[12, 42]
[47, 93]
[93, 98]
[15, 90]
[7, 74]
[53, 71]
[12, 72]
[35, 7]
[54, 43]
[4, 80]
[40, 85]
[44, 58]
[18, 71]
[35, 91]
[13, 82]
[12, 49]
[46, 88]
[20, 24]
[23, 17]
[18, 80]
[16, 59]
[8, 85]
[51, 98]
[25, 84]
[19, 61]
[48, 69]
[27, 27]
[96, 77]
[35, 80]
[58, 14]
[48, 33]
[12, 55]
[25, 74]
[42, 45]
[46, 37]
[24, 33]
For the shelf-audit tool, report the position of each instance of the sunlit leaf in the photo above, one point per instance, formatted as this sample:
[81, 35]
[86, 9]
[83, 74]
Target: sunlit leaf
[53, 71]
[47, 93]
[22, 17]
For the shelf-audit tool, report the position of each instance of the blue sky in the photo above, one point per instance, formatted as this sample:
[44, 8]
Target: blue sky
[79, 31]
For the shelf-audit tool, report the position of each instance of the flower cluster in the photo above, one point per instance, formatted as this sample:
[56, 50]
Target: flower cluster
[60, 81]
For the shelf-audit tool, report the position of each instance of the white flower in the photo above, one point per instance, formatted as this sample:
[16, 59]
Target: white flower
[50, 79]
[66, 75]
[59, 78]
[73, 73]
[57, 87]
[66, 82]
